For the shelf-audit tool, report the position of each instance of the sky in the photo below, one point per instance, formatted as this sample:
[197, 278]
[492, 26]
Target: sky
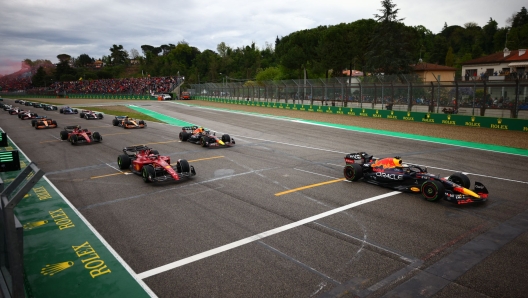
[43, 29]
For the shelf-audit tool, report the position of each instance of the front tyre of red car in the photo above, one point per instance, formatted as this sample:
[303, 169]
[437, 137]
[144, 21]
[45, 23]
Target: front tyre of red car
[97, 136]
[64, 135]
[183, 166]
[433, 190]
[148, 173]
[73, 139]
[353, 172]
[123, 162]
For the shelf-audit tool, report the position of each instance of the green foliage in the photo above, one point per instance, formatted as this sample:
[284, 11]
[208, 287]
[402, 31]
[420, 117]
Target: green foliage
[103, 74]
[269, 74]
[83, 60]
[64, 70]
[68, 77]
[382, 44]
[118, 55]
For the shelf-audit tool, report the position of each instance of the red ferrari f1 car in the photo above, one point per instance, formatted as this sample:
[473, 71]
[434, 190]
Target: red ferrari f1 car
[206, 138]
[393, 173]
[75, 135]
[152, 166]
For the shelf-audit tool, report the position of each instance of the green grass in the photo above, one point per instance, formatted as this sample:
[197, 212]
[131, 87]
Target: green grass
[130, 113]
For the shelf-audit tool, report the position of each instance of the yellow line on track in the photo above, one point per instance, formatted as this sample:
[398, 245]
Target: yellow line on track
[158, 143]
[113, 134]
[207, 158]
[49, 141]
[102, 176]
[308, 186]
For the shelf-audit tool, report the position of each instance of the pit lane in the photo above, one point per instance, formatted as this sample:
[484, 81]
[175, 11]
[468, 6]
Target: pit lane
[396, 245]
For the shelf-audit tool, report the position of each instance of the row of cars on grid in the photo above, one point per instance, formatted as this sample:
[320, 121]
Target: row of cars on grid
[141, 160]
[388, 172]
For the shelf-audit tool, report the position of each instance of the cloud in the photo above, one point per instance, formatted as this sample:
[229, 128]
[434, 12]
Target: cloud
[44, 29]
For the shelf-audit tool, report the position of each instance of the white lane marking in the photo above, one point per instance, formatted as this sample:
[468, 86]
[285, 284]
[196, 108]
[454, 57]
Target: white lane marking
[293, 145]
[256, 237]
[480, 175]
[125, 173]
[319, 174]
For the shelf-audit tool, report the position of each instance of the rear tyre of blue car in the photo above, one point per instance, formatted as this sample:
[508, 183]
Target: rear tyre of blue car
[433, 190]
[353, 172]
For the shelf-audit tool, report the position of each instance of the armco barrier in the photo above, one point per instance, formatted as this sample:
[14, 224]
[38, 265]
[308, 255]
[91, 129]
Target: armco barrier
[445, 119]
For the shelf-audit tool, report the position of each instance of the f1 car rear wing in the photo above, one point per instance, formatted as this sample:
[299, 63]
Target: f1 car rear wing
[191, 128]
[137, 148]
[360, 156]
[72, 127]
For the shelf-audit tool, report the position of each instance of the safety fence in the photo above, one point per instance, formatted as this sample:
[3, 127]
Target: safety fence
[497, 123]
[483, 98]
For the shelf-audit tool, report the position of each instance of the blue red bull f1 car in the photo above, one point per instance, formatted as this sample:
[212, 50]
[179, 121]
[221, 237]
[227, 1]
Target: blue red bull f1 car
[393, 173]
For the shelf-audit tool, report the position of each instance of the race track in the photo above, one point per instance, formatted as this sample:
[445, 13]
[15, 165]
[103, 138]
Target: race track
[273, 217]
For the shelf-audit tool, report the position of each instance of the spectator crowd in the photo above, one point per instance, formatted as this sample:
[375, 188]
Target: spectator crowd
[143, 86]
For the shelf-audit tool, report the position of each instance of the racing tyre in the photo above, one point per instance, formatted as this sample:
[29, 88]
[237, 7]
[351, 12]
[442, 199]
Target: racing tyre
[226, 138]
[123, 162]
[73, 139]
[33, 122]
[433, 190]
[100, 116]
[154, 151]
[204, 141]
[353, 172]
[81, 115]
[148, 173]
[183, 166]
[61, 111]
[64, 135]
[75, 111]
[460, 179]
[97, 136]
[53, 122]
[115, 122]
[141, 122]
[184, 136]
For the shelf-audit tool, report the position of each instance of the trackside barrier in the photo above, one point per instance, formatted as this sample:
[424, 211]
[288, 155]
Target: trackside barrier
[63, 255]
[85, 96]
[444, 119]
[12, 240]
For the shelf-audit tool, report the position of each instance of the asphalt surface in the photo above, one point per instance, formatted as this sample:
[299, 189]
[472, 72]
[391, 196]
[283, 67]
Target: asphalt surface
[234, 230]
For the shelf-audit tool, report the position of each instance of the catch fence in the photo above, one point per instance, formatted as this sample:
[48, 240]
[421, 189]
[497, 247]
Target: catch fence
[507, 99]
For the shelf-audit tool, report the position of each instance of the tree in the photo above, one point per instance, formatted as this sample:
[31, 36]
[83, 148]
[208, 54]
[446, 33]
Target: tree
[134, 54]
[450, 57]
[390, 47]
[63, 57]
[38, 79]
[147, 49]
[83, 60]
[520, 19]
[118, 55]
